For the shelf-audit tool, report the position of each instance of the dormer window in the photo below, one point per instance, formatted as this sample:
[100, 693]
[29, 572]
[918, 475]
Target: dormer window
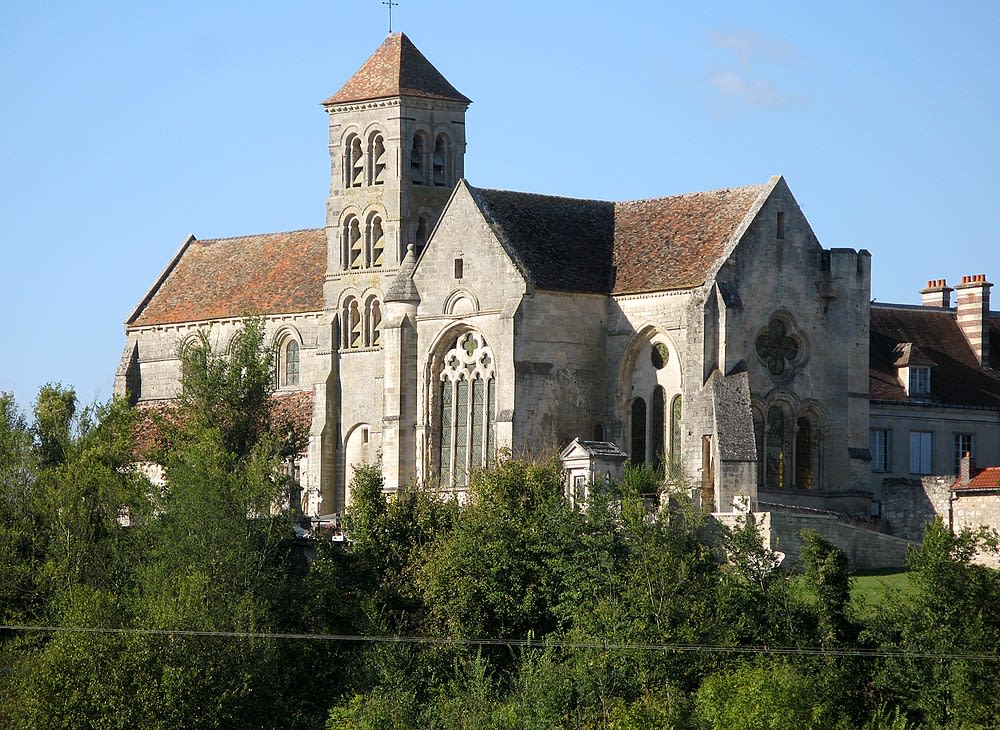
[920, 380]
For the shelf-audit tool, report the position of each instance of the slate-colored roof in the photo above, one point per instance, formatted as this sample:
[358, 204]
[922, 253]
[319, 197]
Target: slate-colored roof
[671, 243]
[396, 68]
[956, 376]
[567, 244]
[273, 273]
[563, 243]
[988, 478]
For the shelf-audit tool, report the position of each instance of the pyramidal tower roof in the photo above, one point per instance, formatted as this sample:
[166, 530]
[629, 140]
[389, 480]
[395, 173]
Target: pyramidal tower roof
[396, 68]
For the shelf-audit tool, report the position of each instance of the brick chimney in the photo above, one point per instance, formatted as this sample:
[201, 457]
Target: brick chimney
[974, 314]
[966, 468]
[937, 294]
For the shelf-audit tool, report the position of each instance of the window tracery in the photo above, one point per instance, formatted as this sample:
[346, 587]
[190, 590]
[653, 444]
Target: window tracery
[777, 349]
[466, 433]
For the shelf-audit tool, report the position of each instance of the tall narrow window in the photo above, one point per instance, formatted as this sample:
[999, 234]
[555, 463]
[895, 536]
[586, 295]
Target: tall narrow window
[468, 406]
[638, 443]
[675, 431]
[375, 241]
[376, 159]
[373, 323]
[775, 456]
[804, 477]
[421, 237]
[441, 161]
[920, 452]
[354, 251]
[781, 225]
[657, 425]
[353, 324]
[878, 445]
[290, 371]
[417, 160]
[354, 162]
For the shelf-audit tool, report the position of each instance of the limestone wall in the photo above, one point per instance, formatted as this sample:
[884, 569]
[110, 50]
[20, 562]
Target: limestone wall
[865, 549]
[559, 366]
[909, 504]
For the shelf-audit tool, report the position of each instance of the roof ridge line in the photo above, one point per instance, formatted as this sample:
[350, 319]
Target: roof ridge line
[259, 235]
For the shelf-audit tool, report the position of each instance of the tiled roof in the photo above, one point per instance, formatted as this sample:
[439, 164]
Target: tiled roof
[986, 479]
[563, 243]
[273, 273]
[287, 409]
[396, 68]
[568, 244]
[671, 243]
[956, 376]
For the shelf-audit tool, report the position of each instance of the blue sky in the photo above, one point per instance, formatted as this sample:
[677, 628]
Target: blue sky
[127, 126]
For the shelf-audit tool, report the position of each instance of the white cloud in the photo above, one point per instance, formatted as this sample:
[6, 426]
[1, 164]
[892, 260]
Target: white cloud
[745, 83]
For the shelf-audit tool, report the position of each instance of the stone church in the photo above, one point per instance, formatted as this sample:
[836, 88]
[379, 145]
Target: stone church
[431, 323]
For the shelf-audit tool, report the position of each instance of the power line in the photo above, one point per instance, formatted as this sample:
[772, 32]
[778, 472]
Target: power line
[527, 643]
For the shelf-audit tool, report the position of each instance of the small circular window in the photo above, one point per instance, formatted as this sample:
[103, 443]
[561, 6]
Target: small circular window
[659, 355]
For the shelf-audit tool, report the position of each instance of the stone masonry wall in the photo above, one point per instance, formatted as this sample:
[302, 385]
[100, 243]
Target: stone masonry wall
[909, 504]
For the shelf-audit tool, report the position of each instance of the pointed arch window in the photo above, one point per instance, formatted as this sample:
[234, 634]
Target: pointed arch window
[354, 165]
[417, 159]
[467, 397]
[638, 440]
[354, 252]
[374, 241]
[376, 159]
[441, 161]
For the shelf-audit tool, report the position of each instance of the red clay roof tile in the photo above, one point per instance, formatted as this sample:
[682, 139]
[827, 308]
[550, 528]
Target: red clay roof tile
[273, 273]
[985, 479]
[396, 68]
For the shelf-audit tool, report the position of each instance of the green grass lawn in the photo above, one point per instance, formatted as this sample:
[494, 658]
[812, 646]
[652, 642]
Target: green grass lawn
[873, 587]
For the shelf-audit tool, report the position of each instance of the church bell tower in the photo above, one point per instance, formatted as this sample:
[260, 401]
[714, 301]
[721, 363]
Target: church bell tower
[397, 149]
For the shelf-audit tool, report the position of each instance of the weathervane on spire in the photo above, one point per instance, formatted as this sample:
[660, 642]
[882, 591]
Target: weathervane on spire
[390, 3]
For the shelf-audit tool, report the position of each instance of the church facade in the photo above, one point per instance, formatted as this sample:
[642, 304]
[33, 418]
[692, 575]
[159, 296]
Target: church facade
[431, 324]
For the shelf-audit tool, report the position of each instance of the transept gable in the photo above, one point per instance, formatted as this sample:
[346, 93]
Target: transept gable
[463, 253]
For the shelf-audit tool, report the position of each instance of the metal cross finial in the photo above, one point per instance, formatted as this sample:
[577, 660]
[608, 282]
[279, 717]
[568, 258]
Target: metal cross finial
[390, 3]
